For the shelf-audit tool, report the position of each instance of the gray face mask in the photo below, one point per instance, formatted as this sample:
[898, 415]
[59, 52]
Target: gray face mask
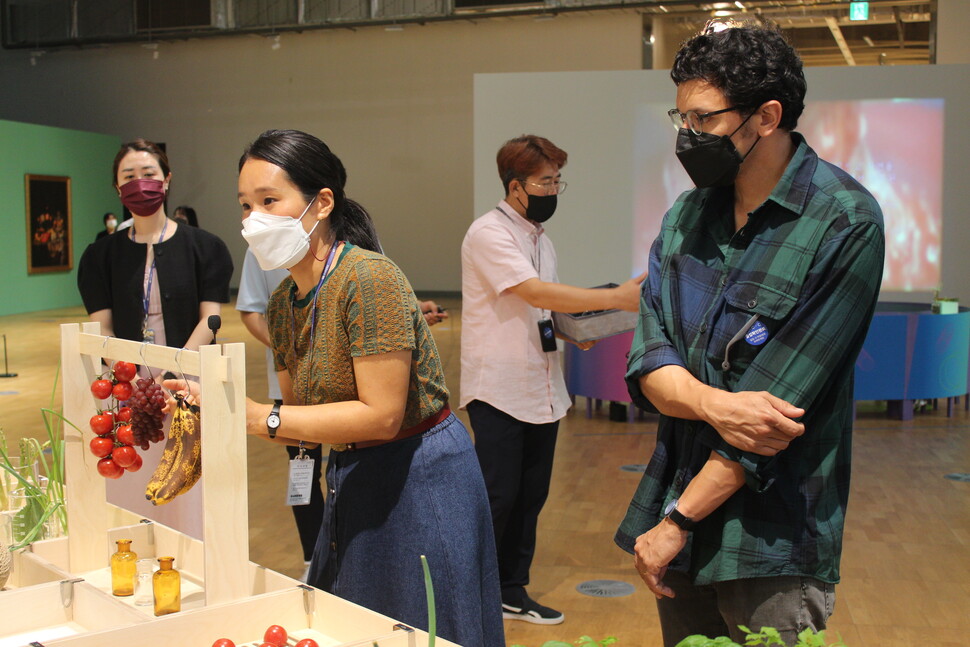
[711, 160]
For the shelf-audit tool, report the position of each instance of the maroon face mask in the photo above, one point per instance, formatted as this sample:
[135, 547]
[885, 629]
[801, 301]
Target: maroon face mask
[144, 196]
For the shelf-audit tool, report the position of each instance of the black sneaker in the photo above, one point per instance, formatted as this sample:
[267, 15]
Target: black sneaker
[532, 611]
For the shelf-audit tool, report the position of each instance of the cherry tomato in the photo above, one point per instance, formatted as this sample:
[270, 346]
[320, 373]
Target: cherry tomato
[268, 645]
[101, 446]
[124, 371]
[109, 469]
[102, 423]
[124, 455]
[123, 415]
[134, 467]
[101, 389]
[121, 391]
[275, 635]
[223, 642]
[125, 435]
[307, 642]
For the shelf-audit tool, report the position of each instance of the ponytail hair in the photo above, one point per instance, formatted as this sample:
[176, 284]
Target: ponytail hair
[312, 166]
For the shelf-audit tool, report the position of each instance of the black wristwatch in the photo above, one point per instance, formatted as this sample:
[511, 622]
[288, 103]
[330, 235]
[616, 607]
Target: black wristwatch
[683, 522]
[273, 421]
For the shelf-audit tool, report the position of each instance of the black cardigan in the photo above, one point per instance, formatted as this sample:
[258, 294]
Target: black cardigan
[192, 266]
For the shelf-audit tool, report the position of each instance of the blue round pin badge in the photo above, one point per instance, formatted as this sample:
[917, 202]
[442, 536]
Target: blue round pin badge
[757, 334]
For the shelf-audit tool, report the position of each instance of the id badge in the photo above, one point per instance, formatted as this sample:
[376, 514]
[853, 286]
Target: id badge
[300, 483]
[148, 335]
[547, 335]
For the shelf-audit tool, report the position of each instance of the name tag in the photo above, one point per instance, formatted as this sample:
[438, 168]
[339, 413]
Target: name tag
[300, 483]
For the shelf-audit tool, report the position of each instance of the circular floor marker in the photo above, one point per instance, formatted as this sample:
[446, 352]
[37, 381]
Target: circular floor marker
[958, 476]
[605, 588]
[638, 468]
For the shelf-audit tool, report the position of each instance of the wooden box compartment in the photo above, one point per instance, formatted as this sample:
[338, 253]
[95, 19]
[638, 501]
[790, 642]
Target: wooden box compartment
[29, 569]
[224, 595]
[303, 611]
[47, 612]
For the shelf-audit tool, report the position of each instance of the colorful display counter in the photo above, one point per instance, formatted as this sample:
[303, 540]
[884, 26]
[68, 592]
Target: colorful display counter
[911, 354]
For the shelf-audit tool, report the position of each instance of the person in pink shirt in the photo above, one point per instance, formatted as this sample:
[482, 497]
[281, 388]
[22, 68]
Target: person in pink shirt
[511, 377]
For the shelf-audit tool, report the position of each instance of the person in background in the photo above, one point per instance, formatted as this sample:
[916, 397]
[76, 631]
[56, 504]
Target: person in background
[110, 225]
[511, 378]
[359, 370]
[255, 288]
[185, 215]
[763, 281]
[160, 281]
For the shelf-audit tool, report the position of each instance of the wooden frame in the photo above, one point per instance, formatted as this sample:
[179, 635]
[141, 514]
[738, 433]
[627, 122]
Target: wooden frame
[49, 225]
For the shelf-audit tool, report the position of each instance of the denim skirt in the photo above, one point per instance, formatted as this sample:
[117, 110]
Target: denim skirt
[388, 505]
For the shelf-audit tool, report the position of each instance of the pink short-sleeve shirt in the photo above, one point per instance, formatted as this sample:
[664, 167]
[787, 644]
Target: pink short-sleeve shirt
[502, 361]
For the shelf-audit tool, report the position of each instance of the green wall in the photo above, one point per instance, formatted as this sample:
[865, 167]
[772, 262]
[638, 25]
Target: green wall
[84, 157]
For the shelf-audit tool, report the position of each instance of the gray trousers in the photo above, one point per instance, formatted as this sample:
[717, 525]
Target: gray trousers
[788, 603]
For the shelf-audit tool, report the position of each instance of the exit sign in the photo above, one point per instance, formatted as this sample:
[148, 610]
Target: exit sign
[858, 11]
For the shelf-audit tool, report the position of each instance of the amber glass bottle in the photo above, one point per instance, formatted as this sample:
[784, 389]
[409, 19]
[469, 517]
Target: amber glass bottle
[167, 585]
[123, 569]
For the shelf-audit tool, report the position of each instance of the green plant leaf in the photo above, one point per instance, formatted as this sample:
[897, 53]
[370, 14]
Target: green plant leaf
[429, 592]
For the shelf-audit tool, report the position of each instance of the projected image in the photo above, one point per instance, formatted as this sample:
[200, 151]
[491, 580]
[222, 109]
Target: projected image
[894, 147]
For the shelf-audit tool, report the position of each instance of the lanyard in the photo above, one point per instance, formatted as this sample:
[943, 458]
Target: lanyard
[146, 296]
[537, 259]
[313, 319]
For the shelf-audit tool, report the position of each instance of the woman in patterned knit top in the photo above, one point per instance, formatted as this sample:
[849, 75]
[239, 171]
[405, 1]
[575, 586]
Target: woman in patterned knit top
[359, 371]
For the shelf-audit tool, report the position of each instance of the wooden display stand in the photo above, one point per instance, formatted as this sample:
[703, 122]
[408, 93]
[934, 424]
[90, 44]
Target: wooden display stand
[65, 582]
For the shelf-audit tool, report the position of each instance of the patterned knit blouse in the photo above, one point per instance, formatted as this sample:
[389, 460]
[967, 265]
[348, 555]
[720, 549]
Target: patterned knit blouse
[365, 307]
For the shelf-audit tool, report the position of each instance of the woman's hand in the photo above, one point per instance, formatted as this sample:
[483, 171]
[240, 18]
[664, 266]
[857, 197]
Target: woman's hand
[188, 388]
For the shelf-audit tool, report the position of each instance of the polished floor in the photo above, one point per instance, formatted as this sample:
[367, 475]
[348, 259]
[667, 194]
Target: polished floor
[907, 550]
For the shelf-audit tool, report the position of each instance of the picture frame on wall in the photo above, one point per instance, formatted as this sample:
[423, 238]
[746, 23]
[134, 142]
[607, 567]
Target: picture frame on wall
[49, 225]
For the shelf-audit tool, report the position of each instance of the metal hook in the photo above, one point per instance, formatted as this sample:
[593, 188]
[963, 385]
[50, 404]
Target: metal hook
[141, 353]
[192, 407]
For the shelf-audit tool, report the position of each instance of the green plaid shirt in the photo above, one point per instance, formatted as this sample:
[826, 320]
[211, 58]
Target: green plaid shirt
[782, 305]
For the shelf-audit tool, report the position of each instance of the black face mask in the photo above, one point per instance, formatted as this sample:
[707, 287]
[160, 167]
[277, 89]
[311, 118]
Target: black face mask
[710, 160]
[541, 207]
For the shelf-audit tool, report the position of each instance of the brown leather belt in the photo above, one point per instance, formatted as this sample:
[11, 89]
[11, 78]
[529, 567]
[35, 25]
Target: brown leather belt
[419, 428]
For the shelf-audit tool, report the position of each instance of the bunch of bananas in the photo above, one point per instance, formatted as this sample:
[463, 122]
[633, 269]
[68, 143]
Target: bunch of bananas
[181, 464]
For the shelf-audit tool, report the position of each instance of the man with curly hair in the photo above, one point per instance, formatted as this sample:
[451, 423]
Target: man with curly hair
[762, 284]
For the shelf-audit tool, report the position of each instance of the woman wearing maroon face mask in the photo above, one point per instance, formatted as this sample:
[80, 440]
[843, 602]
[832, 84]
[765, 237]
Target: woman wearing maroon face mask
[158, 281]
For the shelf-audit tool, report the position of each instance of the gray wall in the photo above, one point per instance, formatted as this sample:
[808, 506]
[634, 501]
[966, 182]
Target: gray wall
[395, 106]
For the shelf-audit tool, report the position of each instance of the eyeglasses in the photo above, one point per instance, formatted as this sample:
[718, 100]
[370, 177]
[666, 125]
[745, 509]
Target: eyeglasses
[555, 187]
[692, 120]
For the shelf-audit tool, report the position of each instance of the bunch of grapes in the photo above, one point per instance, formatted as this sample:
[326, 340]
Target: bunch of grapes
[146, 404]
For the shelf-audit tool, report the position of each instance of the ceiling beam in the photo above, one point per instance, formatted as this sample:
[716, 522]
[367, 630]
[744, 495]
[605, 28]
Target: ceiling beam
[840, 39]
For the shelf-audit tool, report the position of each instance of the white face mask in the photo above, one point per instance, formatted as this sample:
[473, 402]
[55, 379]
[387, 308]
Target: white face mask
[277, 241]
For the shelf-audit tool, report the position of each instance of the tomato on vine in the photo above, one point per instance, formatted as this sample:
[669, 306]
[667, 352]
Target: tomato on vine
[121, 391]
[124, 455]
[101, 388]
[134, 467]
[125, 435]
[123, 415]
[102, 423]
[101, 446]
[109, 469]
[124, 371]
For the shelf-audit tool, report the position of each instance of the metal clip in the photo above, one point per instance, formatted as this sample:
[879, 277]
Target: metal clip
[412, 637]
[67, 591]
[308, 602]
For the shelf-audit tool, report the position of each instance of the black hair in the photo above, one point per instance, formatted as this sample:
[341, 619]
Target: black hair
[312, 166]
[750, 64]
[189, 214]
